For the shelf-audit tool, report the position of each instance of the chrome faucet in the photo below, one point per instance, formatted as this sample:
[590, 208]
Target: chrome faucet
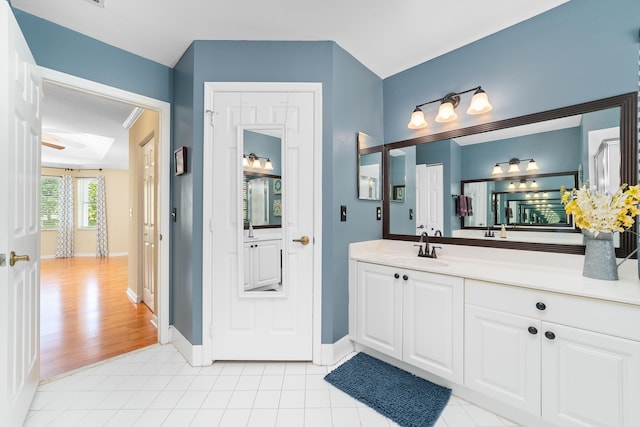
[489, 233]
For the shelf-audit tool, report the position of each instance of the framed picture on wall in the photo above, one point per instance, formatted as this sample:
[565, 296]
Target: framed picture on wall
[277, 186]
[180, 161]
[398, 192]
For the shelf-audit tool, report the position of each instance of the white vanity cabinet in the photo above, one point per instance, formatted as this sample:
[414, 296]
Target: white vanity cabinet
[573, 361]
[262, 263]
[413, 316]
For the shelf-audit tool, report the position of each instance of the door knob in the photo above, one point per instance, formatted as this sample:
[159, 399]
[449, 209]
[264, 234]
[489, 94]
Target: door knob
[304, 240]
[15, 258]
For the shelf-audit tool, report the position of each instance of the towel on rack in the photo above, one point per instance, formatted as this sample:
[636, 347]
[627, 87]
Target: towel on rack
[461, 205]
[469, 207]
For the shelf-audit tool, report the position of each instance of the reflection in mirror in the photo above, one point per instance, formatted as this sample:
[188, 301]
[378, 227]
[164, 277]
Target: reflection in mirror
[262, 192]
[588, 142]
[528, 202]
[369, 167]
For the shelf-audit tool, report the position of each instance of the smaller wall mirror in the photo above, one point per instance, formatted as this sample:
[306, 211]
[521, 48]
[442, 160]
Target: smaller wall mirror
[369, 168]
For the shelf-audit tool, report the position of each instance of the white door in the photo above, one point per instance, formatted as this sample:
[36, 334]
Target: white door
[261, 325]
[429, 199]
[589, 379]
[149, 224]
[20, 232]
[502, 357]
[432, 323]
[379, 308]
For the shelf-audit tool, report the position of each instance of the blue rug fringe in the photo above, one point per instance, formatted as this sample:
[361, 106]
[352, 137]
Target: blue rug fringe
[401, 396]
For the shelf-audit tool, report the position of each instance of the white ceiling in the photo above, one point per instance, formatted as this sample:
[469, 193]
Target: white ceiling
[386, 36]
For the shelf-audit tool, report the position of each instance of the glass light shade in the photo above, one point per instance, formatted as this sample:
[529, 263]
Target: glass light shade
[536, 195]
[245, 161]
[514, 167]
[446, 113]
[268, 165]
[532, 165]
[479, 103]
[417, 120]
[545, 194]
[256, 163]
[522, 185]
[496, 170]
[534, 184]
[528, 196]
[511, 186]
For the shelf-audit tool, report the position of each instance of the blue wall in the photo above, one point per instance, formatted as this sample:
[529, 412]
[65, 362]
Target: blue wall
[70, 52]
[580, 51]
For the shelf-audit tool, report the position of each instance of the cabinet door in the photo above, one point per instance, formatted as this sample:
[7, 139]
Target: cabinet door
[433, 322]
[502, 357]
[590, 379]
[379, 308]
[267, 267]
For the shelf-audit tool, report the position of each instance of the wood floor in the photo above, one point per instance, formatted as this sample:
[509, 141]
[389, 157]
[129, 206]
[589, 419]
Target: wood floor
[85, 314]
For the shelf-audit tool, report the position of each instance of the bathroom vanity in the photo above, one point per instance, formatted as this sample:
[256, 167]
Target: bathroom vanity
[521, 333]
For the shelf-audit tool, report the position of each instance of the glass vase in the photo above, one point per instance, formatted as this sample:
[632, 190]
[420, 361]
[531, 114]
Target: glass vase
[599, 256]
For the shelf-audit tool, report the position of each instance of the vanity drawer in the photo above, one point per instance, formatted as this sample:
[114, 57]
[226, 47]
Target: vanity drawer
[612, 318]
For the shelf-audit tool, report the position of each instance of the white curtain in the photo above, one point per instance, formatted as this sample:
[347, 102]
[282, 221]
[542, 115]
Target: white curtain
[64, 243]
[101, 219]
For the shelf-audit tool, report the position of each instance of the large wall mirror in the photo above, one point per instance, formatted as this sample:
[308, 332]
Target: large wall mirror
[471, 190]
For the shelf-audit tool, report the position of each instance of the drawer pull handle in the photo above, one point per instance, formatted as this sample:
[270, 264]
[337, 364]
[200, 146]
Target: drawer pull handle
[397, 276]
[541, 306]
[405, 277]
[550, 335]
[532, 330]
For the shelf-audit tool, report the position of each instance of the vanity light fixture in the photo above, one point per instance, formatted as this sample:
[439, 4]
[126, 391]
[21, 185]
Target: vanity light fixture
[446, 113]
[514, 166]
[252, 161]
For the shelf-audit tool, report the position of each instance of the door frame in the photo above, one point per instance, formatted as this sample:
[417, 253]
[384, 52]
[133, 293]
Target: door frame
[163, 170]
[207, 238]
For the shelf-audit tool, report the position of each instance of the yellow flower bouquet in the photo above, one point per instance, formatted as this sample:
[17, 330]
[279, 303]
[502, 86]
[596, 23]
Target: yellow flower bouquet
[601, 212]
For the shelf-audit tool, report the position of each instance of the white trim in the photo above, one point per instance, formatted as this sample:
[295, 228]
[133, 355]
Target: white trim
[193, 353]
[333, 353]
[207, 264]
[164, 169]
[133, 297]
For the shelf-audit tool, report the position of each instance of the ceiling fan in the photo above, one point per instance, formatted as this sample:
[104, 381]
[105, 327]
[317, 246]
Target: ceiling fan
[49, 141]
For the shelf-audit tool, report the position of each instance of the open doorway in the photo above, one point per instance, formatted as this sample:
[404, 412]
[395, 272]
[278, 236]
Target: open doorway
[92, 306]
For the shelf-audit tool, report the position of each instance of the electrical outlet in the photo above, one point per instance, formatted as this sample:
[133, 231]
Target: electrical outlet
[410, 213]
[343, 213]
[174, 215]
[378, 213]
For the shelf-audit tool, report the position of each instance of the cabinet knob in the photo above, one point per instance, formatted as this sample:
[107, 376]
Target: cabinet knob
[550, 335]
[540, 306]
[532, 330]
[405, 277]
[397, 276]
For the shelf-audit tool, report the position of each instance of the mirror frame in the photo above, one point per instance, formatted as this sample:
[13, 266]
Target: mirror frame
[628, 104]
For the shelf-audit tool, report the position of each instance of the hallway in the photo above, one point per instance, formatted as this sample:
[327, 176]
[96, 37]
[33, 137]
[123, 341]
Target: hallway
[85, 315]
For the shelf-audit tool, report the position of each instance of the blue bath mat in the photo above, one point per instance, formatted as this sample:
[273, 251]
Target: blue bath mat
[406, 399]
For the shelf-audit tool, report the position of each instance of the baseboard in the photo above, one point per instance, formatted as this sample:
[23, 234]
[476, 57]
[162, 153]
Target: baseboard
[133, 297]
[154, 320]
[193, 353]
[333, 353]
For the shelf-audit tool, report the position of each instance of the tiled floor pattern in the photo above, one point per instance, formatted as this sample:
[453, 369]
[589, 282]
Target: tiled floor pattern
[156, 387]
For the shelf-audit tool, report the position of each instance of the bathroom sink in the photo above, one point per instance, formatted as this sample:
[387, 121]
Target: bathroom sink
[417, 261]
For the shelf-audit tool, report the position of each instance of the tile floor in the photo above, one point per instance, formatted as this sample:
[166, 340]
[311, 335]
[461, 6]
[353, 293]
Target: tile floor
[156, 387]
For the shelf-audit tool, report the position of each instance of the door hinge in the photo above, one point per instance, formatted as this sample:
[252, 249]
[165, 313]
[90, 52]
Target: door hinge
[3, 260]
[212, 117]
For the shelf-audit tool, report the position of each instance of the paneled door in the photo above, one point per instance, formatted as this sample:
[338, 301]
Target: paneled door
[429, 198]
[149, 224]
[20, 121]
[277, 323]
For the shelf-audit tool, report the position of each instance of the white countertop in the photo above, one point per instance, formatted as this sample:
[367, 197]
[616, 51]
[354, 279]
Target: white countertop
[536, 270]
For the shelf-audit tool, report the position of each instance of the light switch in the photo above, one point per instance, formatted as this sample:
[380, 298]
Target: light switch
[378, 213]
[343, 213]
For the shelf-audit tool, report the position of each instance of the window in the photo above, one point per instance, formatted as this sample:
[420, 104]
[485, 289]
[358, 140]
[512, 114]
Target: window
[49, 205]
[87, 202]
